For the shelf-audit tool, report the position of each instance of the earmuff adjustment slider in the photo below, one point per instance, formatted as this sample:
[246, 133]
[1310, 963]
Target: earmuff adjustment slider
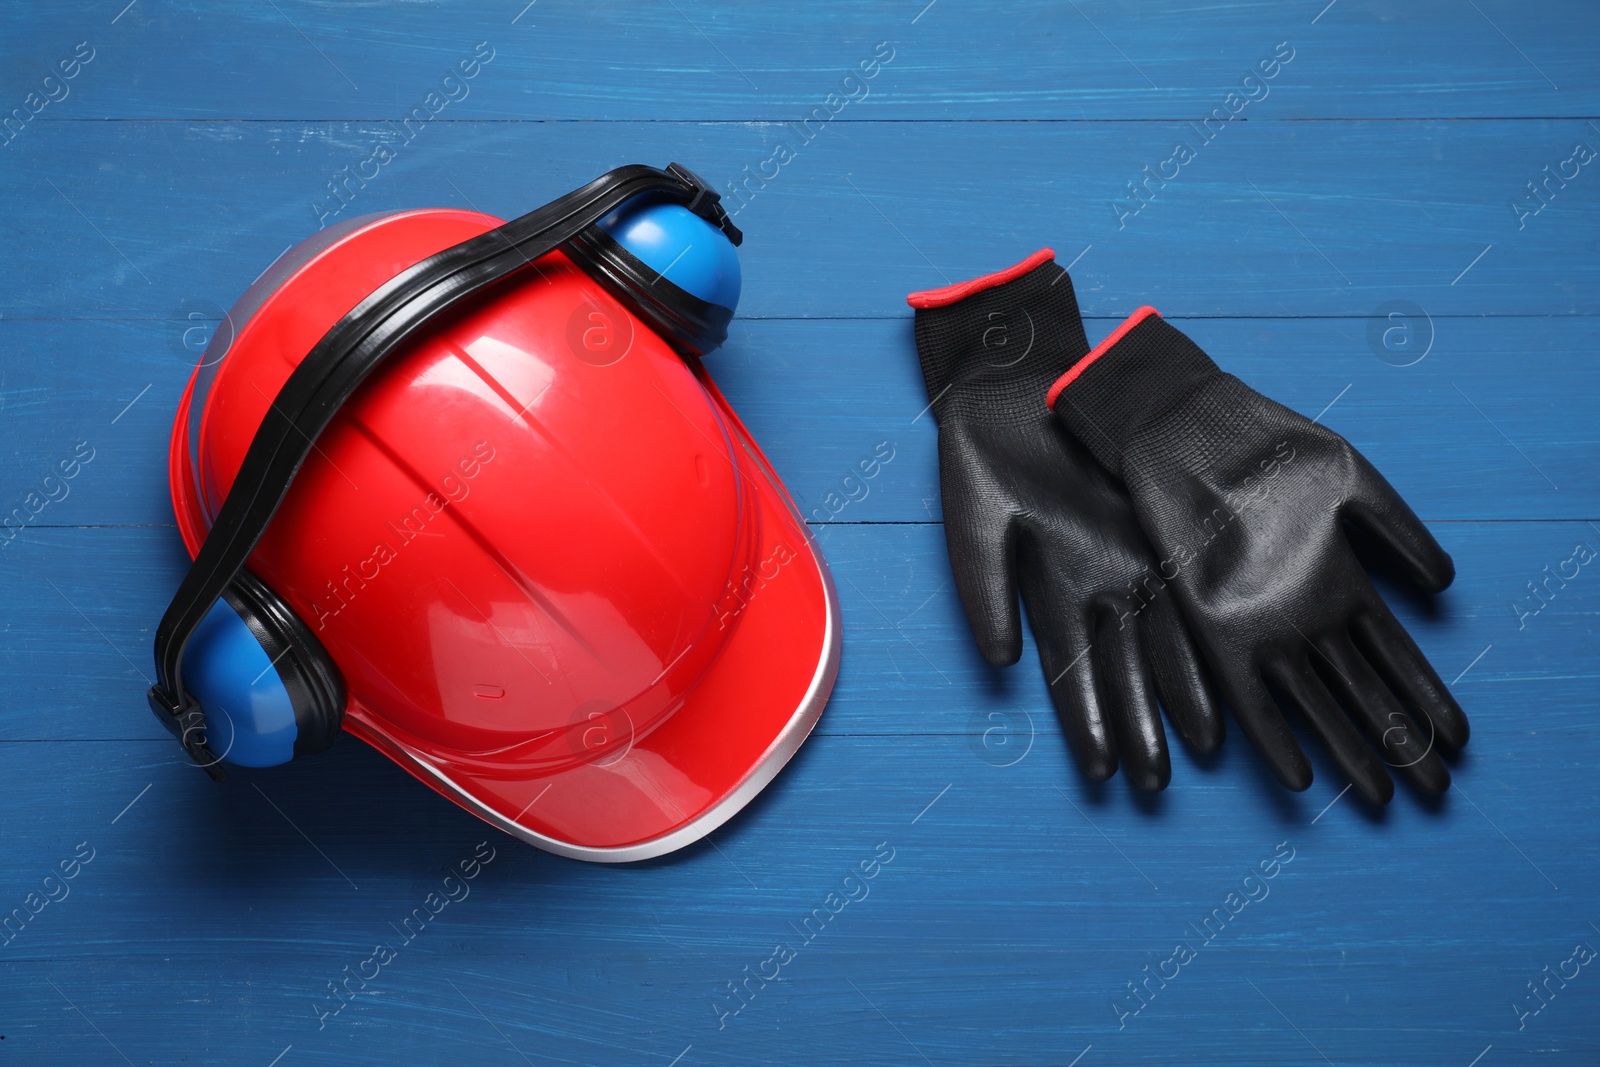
[706, 202]
[188, 725]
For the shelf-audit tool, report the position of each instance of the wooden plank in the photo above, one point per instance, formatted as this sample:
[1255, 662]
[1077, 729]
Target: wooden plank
[1037, 60]
[822, 396]
[1271, 218]
[207, 921]
[1459, 436]
[80, 606]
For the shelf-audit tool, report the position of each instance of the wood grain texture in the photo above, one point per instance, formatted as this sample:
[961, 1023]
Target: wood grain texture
[1379, 172]
[84, 634]
[611, 60]
[1434, 428]
[1270, 218]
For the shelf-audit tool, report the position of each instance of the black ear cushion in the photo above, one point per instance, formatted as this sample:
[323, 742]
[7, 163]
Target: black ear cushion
[691, 325]
[315, 686]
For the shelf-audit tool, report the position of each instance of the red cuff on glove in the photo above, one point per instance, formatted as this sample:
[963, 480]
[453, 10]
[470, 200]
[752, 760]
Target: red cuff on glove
[1099, 350]
[938, 298]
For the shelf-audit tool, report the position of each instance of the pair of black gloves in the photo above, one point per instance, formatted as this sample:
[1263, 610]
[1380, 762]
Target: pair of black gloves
[1170, 528]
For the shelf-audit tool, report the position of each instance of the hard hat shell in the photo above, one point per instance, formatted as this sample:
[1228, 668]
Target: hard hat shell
[563, 585]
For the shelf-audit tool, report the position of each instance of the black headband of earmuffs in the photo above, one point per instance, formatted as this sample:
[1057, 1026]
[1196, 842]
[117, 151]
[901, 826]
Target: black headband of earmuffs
[331, 372]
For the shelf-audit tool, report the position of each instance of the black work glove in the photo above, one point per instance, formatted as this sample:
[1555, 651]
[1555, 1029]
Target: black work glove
[1025, 505]
[1246, 502]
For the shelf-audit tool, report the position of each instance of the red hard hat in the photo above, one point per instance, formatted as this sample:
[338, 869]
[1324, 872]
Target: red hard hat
[563, 585]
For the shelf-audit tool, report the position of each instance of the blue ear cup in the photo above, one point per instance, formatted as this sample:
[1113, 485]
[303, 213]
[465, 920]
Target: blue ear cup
[676, 271]
[269, 689]
[677, 244]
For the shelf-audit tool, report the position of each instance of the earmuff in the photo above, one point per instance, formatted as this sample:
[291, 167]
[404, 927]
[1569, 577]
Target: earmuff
[270, 690]
[239, 677]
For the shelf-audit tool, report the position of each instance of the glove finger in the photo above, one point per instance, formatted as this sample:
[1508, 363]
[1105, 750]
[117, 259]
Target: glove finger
[1300, 684]
[1181, 679]
[982, 557]
[1389, 648]
[1263, 724]
[1062, 634]
[1389, 520]
[1130, 702]
[1396, 736]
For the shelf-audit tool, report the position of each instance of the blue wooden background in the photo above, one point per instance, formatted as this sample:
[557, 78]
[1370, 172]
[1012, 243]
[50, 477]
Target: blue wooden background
[1378, 170]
